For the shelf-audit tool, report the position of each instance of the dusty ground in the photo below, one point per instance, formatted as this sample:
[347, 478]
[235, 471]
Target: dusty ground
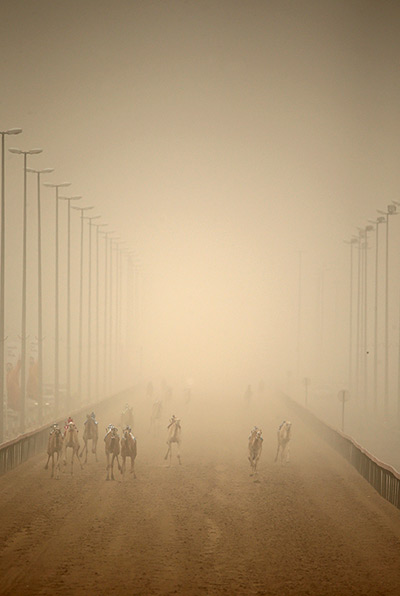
[207, 527]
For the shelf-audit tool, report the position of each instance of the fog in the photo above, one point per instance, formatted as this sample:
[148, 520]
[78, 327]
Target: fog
[234, 147]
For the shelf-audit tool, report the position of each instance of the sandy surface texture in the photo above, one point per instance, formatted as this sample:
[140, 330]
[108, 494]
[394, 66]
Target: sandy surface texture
[206, 527]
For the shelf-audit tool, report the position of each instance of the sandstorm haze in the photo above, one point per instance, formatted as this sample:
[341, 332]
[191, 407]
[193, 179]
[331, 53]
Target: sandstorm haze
[218, 139]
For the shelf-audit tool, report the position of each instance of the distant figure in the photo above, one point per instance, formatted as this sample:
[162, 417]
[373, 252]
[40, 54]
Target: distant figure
[128, 449]
[284, 435]
[248, 394]
[90, 433]
[54, 447]
[174, 436]
[255, 448]
[112, 447]
[13, 386]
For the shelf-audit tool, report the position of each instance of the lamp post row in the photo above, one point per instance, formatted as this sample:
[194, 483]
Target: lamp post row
[40, 338]
[361, 331]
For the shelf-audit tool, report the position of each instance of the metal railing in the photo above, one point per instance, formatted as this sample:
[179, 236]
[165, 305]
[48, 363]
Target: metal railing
[383, 477]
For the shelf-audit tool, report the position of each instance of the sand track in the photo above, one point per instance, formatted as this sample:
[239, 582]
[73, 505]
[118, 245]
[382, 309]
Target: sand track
[204, 528]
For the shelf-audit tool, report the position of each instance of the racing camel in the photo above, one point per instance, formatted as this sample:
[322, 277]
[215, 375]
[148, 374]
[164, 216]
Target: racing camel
[128, 449]
[255, 448]
[71, 441]
[284, 433]
[90, 433]
[112, 447]
[174, 436]
[54, 448]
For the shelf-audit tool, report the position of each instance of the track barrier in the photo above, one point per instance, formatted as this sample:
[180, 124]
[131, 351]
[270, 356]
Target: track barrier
[383, 477]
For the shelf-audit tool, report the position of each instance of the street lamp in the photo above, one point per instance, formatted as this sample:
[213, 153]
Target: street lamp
[105, 367]
[40, 319]
[89, 384]
[10, 131]
[118, 300]
[398, 366]
[23, 321]
[98, 226]
[68, 381]
[82, 210]
[56, 322]
[368, 228]
[112, 351]
[351, 242]
[379, 220]
[391, 210]
[361, 234]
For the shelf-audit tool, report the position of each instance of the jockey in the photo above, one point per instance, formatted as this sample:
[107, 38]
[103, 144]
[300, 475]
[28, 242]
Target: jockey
[67, 423]
[172, 420]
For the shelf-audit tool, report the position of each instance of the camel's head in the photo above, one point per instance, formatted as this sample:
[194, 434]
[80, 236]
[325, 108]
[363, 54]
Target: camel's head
[127, 431]
[71, 427]
[55, 429]
[113, 430]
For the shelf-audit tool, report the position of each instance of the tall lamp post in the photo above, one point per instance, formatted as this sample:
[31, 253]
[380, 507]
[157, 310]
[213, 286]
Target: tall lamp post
[368, 228]
[40, 318]
[398, 360]
[3, 133]
[112, 350]
[351, 242]
[89, 379]
[68, 380]
[23, 319]
[98, 226]
[391, 210]
[82, 211]
[106, 319]
[56, 296]
[379, 220]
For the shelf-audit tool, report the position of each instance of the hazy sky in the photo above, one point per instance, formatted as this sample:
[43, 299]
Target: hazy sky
[218, 138]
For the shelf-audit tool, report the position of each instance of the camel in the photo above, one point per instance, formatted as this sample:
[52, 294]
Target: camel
[284, 434]
[90, 433]
[255, 448]
[174, 436]
[127, 417]
[112, 447]
[128, 449]
[155, 417]
[54, 447]
[71, 441]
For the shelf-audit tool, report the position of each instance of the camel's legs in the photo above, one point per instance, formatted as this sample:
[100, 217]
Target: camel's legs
[168, 452]
[108, 466]
[133, 466]
[84, 449]
[94, 448]
[58, 466]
